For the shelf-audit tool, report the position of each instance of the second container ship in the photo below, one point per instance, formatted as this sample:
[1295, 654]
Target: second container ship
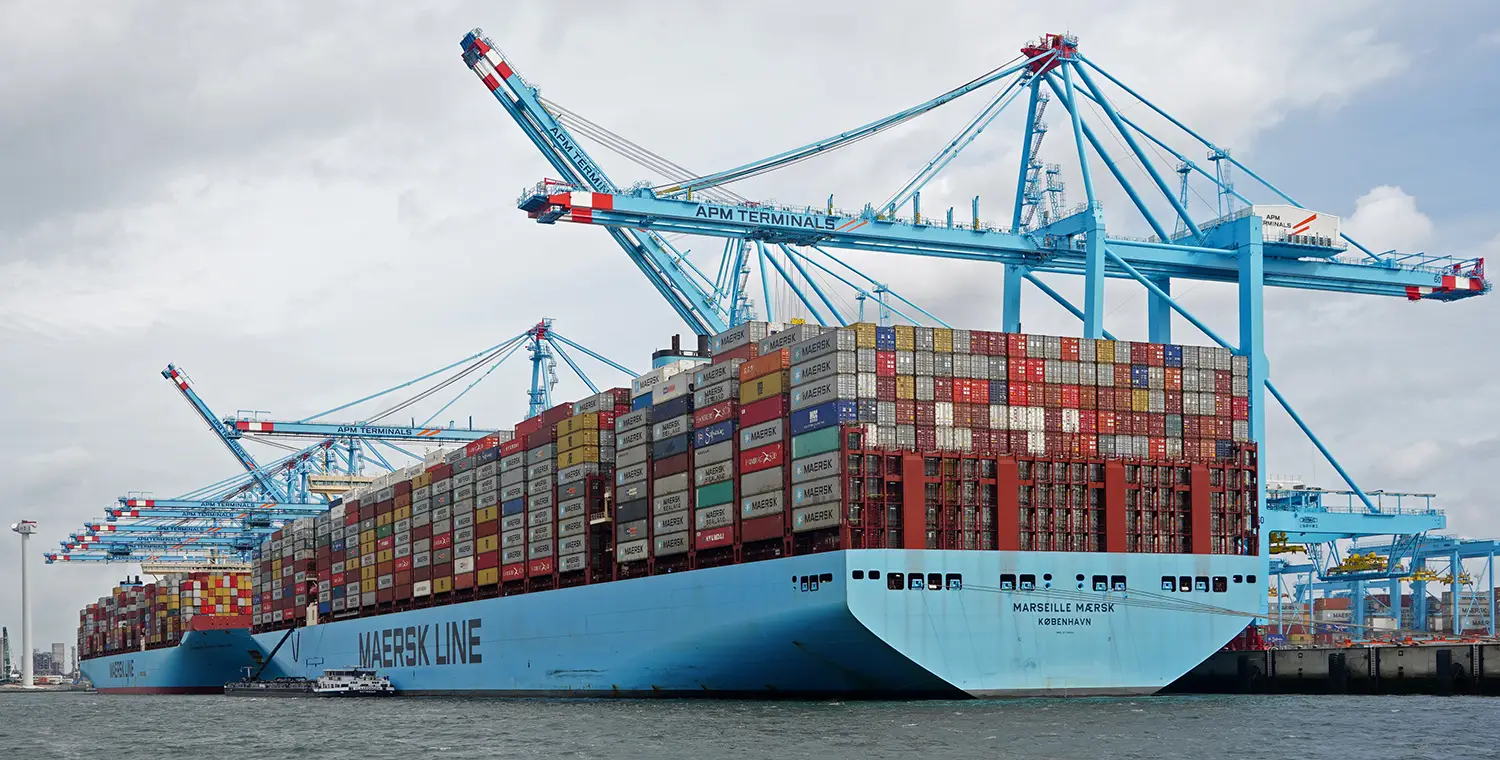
[861, 512]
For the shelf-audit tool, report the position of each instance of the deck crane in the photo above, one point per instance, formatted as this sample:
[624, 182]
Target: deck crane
[218, 523]
[1240, 248]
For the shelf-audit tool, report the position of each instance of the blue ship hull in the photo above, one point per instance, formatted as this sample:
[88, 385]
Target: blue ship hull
[758, 629]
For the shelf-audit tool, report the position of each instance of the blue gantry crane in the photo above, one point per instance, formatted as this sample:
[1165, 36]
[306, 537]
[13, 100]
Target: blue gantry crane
[1268, 241]
[217, 524]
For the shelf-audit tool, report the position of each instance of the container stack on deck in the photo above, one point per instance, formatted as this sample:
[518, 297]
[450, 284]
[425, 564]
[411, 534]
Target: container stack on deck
[770, 441]
[156, 615]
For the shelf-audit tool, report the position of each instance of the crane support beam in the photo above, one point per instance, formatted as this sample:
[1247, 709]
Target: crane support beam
[377, 432]
[1038, 253]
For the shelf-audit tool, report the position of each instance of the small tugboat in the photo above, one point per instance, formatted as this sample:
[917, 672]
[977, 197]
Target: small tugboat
[352, 682]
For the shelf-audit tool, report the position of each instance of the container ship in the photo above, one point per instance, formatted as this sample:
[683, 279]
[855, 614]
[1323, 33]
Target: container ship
[788, 510]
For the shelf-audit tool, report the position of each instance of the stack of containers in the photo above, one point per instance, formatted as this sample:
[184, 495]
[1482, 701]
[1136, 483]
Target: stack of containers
[827, 380]
[513, 511]
[671, 472]
[421, 532]
[486, 455]
[461, 515]
[334, 574]
[585, 467]
[323, 529]
[541, 495]
[632, 518]
[715, 423]
[762, 474]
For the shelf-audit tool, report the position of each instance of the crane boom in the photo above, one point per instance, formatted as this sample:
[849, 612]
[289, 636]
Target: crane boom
[270, 486]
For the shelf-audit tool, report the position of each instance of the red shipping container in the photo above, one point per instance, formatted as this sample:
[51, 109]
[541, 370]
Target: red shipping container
[403, 578]
[906, 412]
[1051, 395]
[402, 564]
[762, 528]
[927, 413]
[486, 560]
[539, 567]
[1109, 422]
[1174, 402]
[439, 472]
[1172, 378]
[961, 415]
[1069, 397]
[710, 539]
[1157, 447]
[885, 363]
[336, 579]
[1190, 426]
[514, 445]
[1156, 424]
[513, 572]
[1069, 444]
[1054, 443]
[351, 517]
[421, 573]
[385, 507]
[1239, 408]
[385, 543]
[1088, 445]
[442, 540]
[404, 499]
[1036, 371]
[1088, 421]
[764, 410]
[1156, 355]
[385, 595]
[463, 580]
[1019, 394]
[541, 437]
[487, 528]
[744, 353]
[1223, 381]
[1122, 376]
[942, 389]
[708, 415]
[762, 458]
[1052, 420]
[1069, 348]
[885, 389]
[961, 393]
[488, 442]
[1088, 397]
[1015, 344]
[661, 468]
[421, 531]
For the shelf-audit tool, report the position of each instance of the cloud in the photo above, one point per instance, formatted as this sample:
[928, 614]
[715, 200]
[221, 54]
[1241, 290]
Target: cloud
[1387, 218]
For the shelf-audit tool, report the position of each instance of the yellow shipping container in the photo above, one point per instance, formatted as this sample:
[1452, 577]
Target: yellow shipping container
[942, 340]
[367, 573]
[578, 438]
[351, 563]
[421, 481]
[1104, 351]
[760, 388]
[906, 387]
[385, 555]
[244, 582]
[579, 455]
[442, 585]
[385, 519]
[579, 422]
[367, 536]
[401, 513]
[486, 514]
[488, 576]
[864, 334]
[1140, 400]
[275, 566]
[487, 544]
[906, 338]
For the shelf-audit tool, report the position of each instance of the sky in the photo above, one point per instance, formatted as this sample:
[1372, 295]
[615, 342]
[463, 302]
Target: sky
[300, 204]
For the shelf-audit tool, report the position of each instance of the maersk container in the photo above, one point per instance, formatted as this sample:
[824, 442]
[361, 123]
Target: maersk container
[573, 508]
[673, 544]
[834, 388]
[632, 551]
[785, 338]
[671, 483]
[824, 415]
[633, 455]
[735, 337]
[578, 472]
[571, 544]
[725, 391]
[821, 442]
[572, 526]
[512, 538]
[710, 474]
[513, 522]
[837, 363]
[533, 472]
[572, 562]
[762, 481]
[681, 501]
[669, 428]
[718, 372]
[713, 494]
[714, 517]
[510, 478]
[763, 434]
[761, 505]
[719, 452]
[671, 522]
[632, 420]
[539, 485]
[543, 500]
[827, 343]
[633, 474]
[817, 492]
[539, 549]
[815, 467]
[716, 433]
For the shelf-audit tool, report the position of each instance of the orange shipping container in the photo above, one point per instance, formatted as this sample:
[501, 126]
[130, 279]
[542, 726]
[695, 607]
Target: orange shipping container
[761, 366]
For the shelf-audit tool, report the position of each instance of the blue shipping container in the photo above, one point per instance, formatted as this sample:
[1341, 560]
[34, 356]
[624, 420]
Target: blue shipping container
[671, 447]
[640, 402]
[674, 408]
[1174, 355]
[325, 607]
[1223, 449]
[1138, 376]
[824, 415]
[336, 546]
[512, 507]
[885, 339]
[999, 392]
[490, 454]
[869, 411]
[715, 433]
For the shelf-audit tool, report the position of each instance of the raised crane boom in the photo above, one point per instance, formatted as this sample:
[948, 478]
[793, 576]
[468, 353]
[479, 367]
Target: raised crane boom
[226, 434]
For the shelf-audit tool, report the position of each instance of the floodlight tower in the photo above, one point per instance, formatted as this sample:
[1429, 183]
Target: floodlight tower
[25, 528]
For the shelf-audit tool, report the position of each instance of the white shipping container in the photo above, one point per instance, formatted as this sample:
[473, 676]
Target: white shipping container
[680, 501]
[674, 387]
[818, 491]
[714, 517]
[719, 452]
[718, 372]
[816, 467]
[1036, 419]
[837, 363]
[708, 474]
[648, 382]
[1036, 442]
[463, 565]
[572, 562]
[637, 419]
[761, 481]
[673, 544]
[735, 337]
[924, 388]
[681, 481]
[571, 544]
[838, 339]
[942, 412]
[816, 517]
[632, 551]
[864, 387]
[672, 427]
[671, 522]
[1070, 419]
[785, 338]
[762, 504]
[999, 417]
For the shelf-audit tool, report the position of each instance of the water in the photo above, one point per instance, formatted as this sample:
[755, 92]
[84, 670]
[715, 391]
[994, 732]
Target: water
[76, 725]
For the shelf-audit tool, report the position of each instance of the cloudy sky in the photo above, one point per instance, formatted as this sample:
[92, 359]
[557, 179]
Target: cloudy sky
[300, 204]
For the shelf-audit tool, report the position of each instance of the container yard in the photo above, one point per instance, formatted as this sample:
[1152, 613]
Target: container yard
[766, 512]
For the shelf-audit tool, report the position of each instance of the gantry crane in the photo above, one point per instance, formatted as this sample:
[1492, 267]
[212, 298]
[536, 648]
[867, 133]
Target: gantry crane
[1250, 243]
[217, 524]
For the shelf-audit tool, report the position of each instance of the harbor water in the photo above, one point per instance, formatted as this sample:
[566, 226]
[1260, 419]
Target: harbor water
[80, 725]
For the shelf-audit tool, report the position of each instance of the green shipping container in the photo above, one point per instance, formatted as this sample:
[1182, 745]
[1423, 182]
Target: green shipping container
[715, 494]
[385, 531]
[816, 442]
